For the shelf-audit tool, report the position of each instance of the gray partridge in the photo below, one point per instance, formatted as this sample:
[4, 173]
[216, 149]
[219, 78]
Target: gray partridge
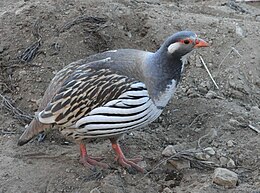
[111, 93]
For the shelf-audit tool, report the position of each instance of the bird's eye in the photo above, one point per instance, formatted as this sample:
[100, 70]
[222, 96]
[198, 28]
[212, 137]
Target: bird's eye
[186, 41]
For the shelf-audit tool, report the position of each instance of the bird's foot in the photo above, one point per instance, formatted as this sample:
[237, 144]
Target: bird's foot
[130, 163]
[90, 162]
[126, 163]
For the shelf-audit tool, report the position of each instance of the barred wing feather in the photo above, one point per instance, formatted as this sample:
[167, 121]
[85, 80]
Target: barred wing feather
[99, 103]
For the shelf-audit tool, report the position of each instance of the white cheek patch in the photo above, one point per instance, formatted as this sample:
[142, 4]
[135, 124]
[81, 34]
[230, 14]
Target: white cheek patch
[173, 47]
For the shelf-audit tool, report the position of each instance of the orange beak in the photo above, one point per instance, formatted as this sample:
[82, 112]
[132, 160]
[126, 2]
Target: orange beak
[200, 43]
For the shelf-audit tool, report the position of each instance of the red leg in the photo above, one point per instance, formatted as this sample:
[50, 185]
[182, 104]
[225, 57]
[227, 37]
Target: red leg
[120, 157]
[89, 161]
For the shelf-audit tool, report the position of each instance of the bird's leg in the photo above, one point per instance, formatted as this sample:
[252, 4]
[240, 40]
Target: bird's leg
[120, 157]
[89, 161]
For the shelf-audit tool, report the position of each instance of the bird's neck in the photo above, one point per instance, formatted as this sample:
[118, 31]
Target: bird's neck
[164, 75]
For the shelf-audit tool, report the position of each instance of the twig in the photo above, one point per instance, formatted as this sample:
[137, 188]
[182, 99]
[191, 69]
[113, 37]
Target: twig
[233, 48]
[40, 155]
[202, 114]
[233, 5]
[202, 137]
[8, 132]
[31, 51]
[81, 19]
[18, 114]
[186, 155]
[208, 72]
[254, 128]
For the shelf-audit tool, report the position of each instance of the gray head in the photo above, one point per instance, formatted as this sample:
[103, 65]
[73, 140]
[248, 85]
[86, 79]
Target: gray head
[181, 43]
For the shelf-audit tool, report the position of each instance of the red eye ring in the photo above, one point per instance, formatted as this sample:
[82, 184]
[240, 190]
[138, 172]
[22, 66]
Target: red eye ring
[186, 41]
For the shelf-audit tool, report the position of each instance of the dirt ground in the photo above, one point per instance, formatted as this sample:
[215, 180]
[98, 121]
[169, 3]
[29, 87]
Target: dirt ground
[67, 30]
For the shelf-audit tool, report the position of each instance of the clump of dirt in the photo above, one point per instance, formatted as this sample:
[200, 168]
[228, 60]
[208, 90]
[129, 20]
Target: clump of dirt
[39, 38]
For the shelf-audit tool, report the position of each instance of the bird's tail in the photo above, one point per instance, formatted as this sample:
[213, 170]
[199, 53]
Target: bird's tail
[33, 129]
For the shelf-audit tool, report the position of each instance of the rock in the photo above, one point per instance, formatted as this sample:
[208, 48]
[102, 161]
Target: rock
[231, 163]
[169, 151]
[202, 156]
[211, 94]
[1, 48]
[225, 177]
[142, 164]
[239, 31]
[209, 151]
[180, 164]
[95, 190]
[230, 143]
[223, 161]
[198, 62]
[255, 111]
[167, 190]
[180, 146]
[234, 122]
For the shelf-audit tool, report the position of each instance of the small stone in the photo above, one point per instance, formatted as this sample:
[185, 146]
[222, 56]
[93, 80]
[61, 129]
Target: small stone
[209, 151]
[231, 163]
[234, 122]
[198, 62]
[169, 151]
[202, 156]
[211, 94]
[167, 190]
[142, 164]
[179, 146]
[257, 18]
[239, 31]
[223, 161]
[230, 143]
[255, 111]
[1, 48]
[180, 164]
[225, 177]
[95, 190]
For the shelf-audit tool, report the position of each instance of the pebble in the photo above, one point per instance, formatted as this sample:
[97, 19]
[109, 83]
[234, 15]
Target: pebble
[234, 122]
[180, 164]
[223, 161]
[169, 151]
[1, 48]
[198, 62]
[209, 151]
[95, 190]
[230, 143]
[202, 156]
[211, 94]
[167, 190]
[142, 164]
[255, 111]
[180, 146]
[225, 177]
[239, 31]
[231, 163]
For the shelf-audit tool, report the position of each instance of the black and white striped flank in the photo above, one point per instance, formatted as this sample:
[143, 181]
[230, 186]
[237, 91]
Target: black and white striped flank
[133, 109]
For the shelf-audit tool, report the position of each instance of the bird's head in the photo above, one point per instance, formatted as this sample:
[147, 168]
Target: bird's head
[181, 43]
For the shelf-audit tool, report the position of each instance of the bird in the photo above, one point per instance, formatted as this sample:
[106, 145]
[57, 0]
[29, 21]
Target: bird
[108, 94]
